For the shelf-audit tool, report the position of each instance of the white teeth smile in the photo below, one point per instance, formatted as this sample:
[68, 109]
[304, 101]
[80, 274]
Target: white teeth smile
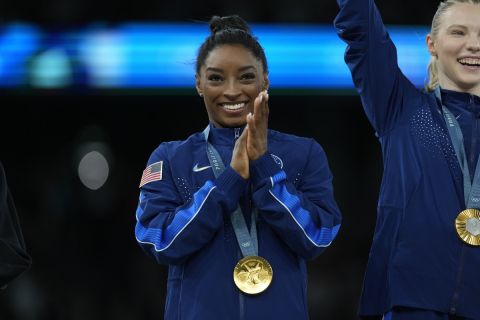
[470, 61]
[235, 106]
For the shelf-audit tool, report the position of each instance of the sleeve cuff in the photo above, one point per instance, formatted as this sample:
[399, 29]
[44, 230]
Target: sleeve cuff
[231, 184]
[263, 168]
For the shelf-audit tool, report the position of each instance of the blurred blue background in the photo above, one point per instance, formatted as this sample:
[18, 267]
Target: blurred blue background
[163, 55]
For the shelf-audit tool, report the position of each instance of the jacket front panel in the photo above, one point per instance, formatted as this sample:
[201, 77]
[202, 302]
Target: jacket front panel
[297, 220]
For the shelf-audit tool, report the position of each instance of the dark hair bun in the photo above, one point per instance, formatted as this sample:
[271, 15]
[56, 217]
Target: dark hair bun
[218, 24]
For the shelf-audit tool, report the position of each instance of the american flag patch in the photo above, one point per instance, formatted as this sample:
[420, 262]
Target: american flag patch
[152, 173]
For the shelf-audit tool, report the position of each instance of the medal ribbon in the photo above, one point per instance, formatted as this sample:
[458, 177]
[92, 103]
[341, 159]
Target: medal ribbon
[247, 241]
[471, 190]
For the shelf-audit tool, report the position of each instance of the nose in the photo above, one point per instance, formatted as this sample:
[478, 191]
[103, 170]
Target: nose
[232, 90]
[474, 44]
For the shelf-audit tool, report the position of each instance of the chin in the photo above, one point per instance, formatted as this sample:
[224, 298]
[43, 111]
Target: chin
[469, 86]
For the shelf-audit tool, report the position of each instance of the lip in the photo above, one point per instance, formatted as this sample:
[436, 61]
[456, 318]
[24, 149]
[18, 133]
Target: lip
[466, 59]
[233, 106]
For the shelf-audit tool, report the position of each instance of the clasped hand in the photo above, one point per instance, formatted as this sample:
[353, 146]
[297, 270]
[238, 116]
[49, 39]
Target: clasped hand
[252, 143]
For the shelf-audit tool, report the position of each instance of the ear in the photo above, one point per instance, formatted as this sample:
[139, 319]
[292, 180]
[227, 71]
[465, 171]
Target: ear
[198, 85]
[431, 45]
[266, 82]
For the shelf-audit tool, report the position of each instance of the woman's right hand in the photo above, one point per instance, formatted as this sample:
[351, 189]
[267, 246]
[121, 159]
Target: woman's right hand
[240, 162]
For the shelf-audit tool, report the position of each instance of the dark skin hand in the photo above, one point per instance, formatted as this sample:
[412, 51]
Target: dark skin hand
[240, 161]
[252, 143]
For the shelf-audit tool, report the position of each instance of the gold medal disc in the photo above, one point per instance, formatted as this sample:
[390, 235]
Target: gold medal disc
[252, 274]
[467, 224]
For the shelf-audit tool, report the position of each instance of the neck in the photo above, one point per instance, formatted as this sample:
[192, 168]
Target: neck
[217, 126]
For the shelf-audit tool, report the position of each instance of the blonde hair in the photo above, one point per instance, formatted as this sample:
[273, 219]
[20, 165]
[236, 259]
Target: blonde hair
[436, 21]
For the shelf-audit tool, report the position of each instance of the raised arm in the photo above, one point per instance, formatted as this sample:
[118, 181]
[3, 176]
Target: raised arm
[372, 59]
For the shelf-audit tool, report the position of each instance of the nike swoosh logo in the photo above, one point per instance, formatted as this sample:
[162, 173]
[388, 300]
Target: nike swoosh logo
[198, 169]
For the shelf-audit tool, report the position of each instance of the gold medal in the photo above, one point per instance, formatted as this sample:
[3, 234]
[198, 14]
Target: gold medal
[252, 274]
[468, 226]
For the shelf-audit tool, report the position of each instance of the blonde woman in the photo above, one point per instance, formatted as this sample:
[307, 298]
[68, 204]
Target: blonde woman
[425, 257]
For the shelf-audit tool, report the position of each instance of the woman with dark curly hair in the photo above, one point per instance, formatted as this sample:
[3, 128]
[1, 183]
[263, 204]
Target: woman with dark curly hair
[235, 210]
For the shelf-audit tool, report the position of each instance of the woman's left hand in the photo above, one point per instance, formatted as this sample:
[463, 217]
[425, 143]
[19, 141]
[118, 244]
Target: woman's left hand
[257, 127]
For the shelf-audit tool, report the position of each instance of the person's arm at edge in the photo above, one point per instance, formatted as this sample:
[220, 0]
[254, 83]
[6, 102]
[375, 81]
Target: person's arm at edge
[14, 259]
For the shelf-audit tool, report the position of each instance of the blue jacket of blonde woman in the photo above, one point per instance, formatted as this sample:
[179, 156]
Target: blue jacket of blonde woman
[417, 259]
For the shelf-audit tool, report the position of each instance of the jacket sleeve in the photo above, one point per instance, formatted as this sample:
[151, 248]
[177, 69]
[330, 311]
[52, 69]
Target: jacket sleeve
[306, 217]
[170, 228]
[372, 59]
[14, 259]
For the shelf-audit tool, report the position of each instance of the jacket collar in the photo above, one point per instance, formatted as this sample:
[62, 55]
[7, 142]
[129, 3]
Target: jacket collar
[461, 100]
[224, 135]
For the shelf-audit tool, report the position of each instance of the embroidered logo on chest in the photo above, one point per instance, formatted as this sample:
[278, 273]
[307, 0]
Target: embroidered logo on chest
[277, 160]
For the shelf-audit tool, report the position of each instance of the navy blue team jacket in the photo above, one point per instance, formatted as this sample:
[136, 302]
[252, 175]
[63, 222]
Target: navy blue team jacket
[416, 259]
[183, 221]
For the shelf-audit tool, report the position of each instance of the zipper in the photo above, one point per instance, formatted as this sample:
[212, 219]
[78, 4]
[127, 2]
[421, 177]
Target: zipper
[179, 310]
[456, 293]
[242, 306]
[473, 146]
[237, 132]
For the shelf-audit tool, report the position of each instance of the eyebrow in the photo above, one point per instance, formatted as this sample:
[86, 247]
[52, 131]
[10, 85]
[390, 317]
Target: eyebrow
[456, 26]
[221, 70]
[246, 68]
